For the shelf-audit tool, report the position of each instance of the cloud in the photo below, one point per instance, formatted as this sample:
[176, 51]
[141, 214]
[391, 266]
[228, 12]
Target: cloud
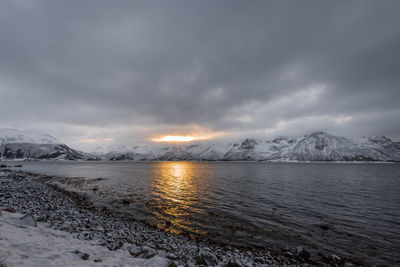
[124, 69]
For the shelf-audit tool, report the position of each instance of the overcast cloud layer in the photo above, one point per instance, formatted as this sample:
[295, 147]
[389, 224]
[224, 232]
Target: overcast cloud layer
[123, 71]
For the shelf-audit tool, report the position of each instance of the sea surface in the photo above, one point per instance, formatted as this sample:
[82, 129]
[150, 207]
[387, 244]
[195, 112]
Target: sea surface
[351, 210]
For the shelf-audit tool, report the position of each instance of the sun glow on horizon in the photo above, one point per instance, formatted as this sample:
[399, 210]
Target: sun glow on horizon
[175, 138]
[186, 136]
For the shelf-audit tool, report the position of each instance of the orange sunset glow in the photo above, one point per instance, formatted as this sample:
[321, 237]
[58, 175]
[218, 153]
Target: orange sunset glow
[174, 138]
[187, 137]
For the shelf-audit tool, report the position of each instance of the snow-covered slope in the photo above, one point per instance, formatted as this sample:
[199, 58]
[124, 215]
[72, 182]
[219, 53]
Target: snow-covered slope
[24, 244]
[17, 144]
[317, 146]
[9, 136]
[196, 151]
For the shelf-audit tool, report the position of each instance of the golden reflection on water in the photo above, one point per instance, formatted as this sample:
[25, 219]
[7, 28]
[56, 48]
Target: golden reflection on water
[175, 195]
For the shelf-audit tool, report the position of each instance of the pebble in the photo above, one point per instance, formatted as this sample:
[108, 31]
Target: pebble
[171, 256]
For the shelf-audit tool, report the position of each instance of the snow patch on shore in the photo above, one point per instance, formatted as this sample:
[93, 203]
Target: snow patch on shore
[24, 245]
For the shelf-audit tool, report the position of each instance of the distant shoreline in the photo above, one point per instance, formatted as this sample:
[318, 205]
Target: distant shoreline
[240, 161]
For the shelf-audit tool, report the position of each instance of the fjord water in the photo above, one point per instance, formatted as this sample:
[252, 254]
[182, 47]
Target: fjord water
[346, 209]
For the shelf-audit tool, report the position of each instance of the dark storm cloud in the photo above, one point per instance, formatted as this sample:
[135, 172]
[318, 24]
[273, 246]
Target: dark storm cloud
[224, 65]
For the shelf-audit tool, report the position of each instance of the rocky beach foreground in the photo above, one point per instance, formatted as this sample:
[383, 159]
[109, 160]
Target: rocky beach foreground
[64, 228]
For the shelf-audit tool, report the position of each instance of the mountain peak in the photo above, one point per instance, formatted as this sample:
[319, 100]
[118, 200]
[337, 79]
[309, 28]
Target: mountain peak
[19, 144]
[319, 134]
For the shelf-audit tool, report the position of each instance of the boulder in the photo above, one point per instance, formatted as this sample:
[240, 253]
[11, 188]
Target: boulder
[147, 252]
[28, 220]
[206, 258]
[85, 256]
[303, 253]
[233, 263]
[114, 245]
[334, 258]
[133, 250]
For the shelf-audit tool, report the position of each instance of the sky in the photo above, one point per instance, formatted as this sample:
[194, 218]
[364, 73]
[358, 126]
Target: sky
[97, 73]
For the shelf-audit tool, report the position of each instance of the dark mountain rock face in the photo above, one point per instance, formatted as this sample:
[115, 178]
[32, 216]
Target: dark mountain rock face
[42, 151]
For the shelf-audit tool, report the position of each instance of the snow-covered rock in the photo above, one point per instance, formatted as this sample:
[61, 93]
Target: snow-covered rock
[17, 144]
[318, 146]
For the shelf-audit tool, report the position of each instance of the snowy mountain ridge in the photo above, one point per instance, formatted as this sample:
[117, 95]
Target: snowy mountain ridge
[10, 135]
[318, 146]
[18, 144]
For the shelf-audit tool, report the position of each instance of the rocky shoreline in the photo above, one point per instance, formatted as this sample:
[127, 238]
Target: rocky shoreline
[34, 194]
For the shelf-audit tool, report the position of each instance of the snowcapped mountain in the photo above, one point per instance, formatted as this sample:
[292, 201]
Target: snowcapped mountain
[17, 144]
[196, 151]
[318, 146]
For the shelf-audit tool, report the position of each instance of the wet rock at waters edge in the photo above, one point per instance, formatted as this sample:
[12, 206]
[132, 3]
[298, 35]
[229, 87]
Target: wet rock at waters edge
[233, 263]
[126, 202]
[303, 253]
[325, 226]
[333, 259]
[206, 258]
[259, 260]
[288, 254]
[3, 166]
[28, 220]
